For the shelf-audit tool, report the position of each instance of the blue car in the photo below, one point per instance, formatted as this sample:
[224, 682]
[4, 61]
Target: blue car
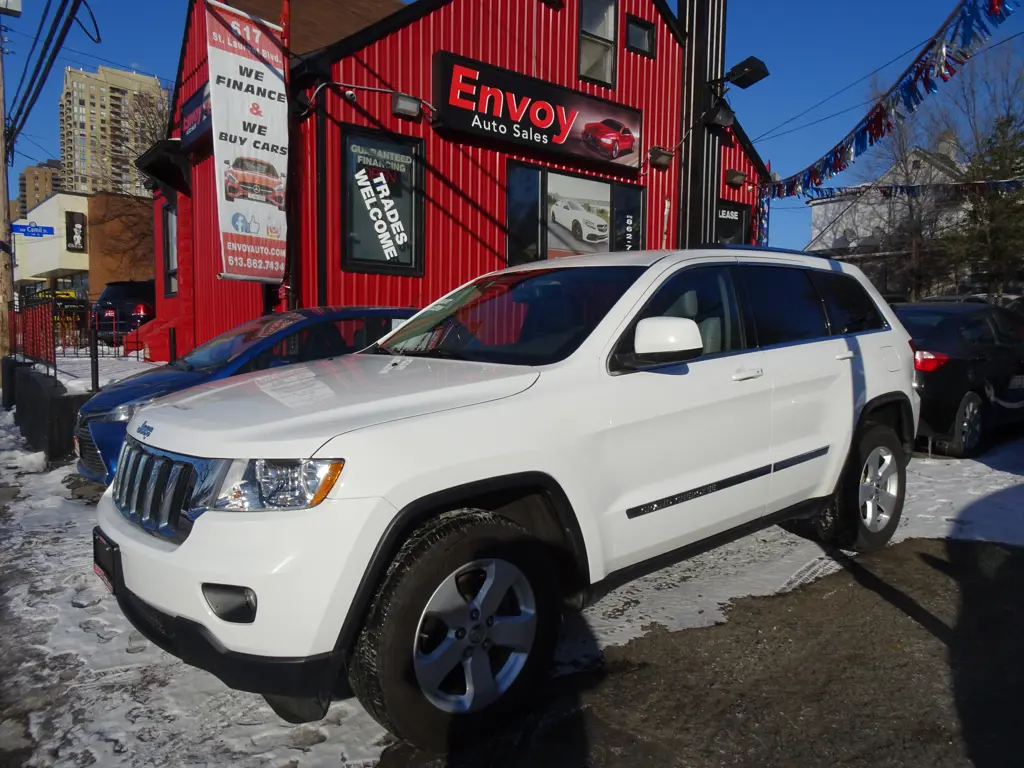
[267, 342]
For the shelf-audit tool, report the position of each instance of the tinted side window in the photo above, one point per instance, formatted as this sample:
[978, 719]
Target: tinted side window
[977, 330]
[850, 308]
[1009, 327]
[705, 295]
[785, 305]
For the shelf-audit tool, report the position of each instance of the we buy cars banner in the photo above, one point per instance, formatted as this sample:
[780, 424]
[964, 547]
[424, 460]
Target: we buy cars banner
[249, 107]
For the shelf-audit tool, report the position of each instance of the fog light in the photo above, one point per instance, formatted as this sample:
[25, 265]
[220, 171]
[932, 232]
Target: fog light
[234, 604]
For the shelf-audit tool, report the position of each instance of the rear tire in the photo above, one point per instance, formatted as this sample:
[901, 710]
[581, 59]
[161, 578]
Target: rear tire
[423, 640]
[865, 511]
[969, 429]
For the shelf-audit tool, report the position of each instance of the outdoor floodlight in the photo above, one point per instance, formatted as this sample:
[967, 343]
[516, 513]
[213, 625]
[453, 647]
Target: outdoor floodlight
[660, 158]
[749, 71]
[404, 105]
[735, 179]
[721, 114]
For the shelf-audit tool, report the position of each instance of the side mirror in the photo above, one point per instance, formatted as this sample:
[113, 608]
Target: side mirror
[663, 341]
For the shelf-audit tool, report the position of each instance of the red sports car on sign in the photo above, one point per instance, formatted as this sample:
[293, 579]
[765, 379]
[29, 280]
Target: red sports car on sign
[609, 137]
[254, 180]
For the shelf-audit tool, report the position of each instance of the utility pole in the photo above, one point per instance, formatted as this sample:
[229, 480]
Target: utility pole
[6, 252]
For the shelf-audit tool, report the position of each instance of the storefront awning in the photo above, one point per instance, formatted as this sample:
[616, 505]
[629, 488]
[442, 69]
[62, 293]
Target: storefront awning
[168, 165]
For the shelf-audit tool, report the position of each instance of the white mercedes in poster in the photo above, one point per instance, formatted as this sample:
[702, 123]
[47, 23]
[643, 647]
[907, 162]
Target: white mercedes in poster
[585, 226]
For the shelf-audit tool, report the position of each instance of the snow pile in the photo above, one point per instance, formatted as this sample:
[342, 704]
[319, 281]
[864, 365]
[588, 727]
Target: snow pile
[96, 692]
[20, 461]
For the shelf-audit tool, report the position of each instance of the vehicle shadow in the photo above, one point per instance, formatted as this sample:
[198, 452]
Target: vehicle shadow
[983, 647]
[552, 733]
[1006, 452]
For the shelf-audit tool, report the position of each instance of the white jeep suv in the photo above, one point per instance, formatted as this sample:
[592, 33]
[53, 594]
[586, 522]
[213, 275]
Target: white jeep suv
[411, 521]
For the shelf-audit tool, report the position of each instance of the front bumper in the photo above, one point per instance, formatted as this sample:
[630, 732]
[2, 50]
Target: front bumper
[194, 644]
[304, 567]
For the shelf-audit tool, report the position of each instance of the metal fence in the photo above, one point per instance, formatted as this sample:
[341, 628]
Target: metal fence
[49, 330]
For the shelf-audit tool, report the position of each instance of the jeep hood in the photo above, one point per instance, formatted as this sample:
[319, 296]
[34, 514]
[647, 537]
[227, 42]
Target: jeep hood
[290, 412]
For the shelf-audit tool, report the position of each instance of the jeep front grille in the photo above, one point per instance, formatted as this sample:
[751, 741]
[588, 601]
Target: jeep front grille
[162, 492]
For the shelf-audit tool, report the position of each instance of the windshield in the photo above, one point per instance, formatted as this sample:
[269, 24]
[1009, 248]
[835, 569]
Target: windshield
[573, 205]
[535, 317]
[230, 344]
[255, 166]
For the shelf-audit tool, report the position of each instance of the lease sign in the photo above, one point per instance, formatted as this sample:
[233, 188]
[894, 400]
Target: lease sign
[249, 107]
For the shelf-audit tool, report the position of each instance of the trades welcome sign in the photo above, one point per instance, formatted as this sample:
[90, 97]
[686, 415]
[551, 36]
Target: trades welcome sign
[249, 108]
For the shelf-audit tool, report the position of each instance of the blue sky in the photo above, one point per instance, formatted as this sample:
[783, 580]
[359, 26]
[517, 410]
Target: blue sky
[812, 48]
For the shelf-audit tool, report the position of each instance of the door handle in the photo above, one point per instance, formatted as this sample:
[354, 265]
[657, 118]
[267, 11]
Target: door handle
[749, 373]
[848, 355]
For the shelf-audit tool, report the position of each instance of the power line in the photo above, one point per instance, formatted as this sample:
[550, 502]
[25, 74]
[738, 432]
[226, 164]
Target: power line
[35, 42]
[11, 119]
[842, 90]
[30, 140]
[822, 120]
[119, 65]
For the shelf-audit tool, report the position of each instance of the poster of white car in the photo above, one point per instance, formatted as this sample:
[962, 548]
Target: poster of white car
[585, 226]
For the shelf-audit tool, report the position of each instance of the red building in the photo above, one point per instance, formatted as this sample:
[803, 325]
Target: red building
[506, 130]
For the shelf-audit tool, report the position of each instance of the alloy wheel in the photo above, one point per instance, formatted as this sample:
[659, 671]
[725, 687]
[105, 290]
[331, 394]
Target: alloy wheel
[970, 426]
[879, 489]
[475, 635]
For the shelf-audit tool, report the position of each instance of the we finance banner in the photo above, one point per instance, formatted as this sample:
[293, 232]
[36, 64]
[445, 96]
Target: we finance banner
[249, 107]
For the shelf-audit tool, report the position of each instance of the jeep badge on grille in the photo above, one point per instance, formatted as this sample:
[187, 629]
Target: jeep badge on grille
[144, 429]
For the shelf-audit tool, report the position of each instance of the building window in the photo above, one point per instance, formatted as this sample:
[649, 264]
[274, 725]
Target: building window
[170, 227]
[639, 36]
[597, 41]
[551, 214]
[382, 206]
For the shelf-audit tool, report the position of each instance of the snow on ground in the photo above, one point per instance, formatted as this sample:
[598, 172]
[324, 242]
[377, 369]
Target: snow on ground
[74, 372]
[127, 703]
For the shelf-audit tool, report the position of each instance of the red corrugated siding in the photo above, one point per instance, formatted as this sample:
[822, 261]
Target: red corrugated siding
[465, 206]
[735, 159]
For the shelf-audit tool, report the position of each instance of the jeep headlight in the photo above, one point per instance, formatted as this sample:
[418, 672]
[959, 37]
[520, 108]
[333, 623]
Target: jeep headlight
[277, 484]
[126, 411]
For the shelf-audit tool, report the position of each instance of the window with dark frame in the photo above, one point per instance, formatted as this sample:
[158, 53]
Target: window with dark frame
[382, 203]
[597, 46]
[170, 232]
[551, 214]
[639, 36]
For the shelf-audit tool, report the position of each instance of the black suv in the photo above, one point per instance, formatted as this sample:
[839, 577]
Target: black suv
[122, 307]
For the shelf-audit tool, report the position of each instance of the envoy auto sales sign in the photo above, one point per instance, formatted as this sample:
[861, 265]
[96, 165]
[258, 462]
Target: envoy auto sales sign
[249, 108]
[472, 97]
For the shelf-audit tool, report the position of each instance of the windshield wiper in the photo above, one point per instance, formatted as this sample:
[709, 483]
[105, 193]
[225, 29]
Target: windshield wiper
[377, 349]
[442, 353]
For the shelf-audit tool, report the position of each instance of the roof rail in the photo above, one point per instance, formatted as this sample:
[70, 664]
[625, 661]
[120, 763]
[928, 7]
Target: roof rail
[763, 248]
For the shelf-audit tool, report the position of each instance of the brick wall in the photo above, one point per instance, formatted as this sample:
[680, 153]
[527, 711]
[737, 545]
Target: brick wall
[120, 240]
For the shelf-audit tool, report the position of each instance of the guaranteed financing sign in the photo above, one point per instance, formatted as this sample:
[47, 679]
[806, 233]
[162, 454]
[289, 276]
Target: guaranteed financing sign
[249, 108]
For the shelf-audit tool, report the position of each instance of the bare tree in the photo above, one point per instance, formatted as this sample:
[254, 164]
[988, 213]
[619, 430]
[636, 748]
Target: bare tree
[984, 117]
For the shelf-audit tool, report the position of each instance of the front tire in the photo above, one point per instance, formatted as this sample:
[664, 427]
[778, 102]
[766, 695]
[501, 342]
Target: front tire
[577, 230]
[460, 633]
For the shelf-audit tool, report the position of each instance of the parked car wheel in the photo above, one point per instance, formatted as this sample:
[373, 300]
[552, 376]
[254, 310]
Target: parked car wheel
[577, 230]
[553, 214]
[969, 429]
[460, 633]
[615, 151]
[865, 511]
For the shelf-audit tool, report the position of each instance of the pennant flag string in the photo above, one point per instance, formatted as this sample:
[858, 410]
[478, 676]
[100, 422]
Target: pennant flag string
[918, 190]
[961, 36]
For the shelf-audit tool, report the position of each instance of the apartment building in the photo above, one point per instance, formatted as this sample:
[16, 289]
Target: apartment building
[36, 183]
[107, 119]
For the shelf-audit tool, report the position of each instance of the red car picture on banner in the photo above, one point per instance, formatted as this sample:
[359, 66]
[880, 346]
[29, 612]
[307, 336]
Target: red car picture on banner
[609, 137]
[254, 180]
[249, 109]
